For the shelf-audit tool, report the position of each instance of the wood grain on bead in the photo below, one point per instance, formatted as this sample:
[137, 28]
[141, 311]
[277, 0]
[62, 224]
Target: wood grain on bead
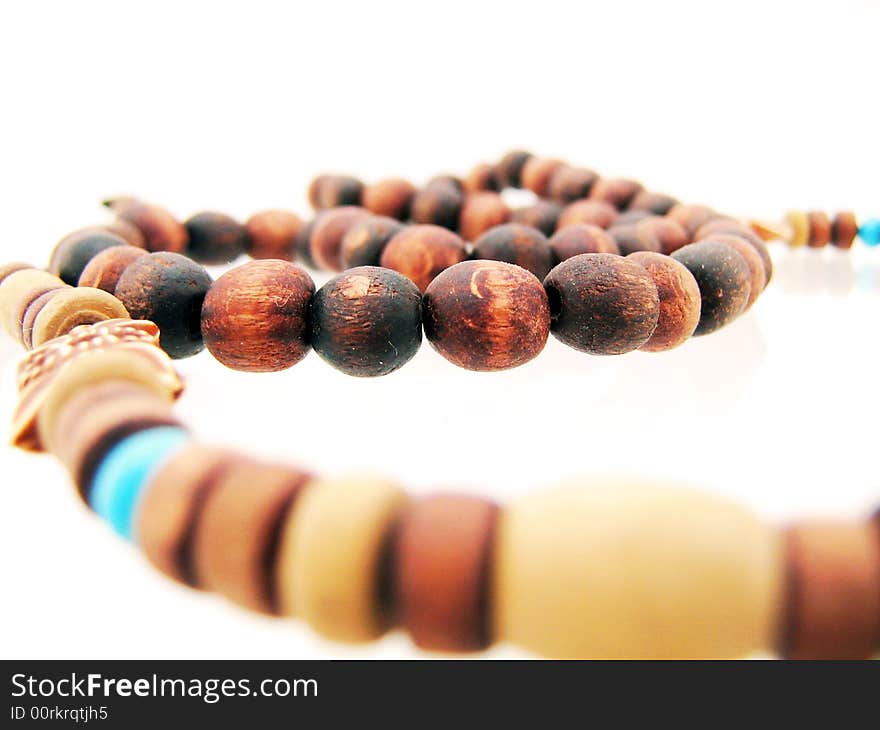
[104, 270]
[215, 238]
[333, 191]
[71, 307]
[679, 300]
[537, 172]
[439, 204]
[844, 229]
[481, 177]
[363, 243]
[73, 252]
[602, 304]
[582, 238]
[441, 566]
[657, 203]
[516, 244]
[616, 191]
[255, 316]
[486, 315]
[820, 229]
[271, 234]
[423, 251]
[543, 215]
[743, 230]
[367, 321]
[18, 291]
[509, 168]
[168, 289]
[569, 183]
[758, 275]
[724, 279]
[480, 212]
[594, 212]
[391, 197]
[325, 240]
[160, 229]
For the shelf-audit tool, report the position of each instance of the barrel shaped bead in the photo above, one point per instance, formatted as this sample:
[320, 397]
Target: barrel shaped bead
[421, 252]
[516, 244]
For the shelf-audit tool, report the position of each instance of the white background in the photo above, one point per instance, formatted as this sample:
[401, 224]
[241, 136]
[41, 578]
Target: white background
[751, 107]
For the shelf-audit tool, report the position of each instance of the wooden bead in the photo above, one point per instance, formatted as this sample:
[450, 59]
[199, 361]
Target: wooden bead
[446, 181]
[724, 279]
[691, 217]
[333, 191]
[391, 198]
[11, 268]
[17, 291]
[438, 205]
[630, 238]
[799, 224]
[543, 215]
[758, 276]
[481, 177]
[367, 321]
[844, 229]
[71, 307]
[657, 203]
[833, 591]
[634, 571]
[442, 552]
[421, 252]
[679, 300]
[104, 270]
[302, 247]
[510, 167]
[168, 289]
[743, 230]
[602, 304]
[255, 316]
[271, 234]
[73, 252]
[568, 183]
[820, 229]
[332, 567]
[160, 229]
[582, 238]
[480, 212]
[127, 231]
[633, 216]
[669, 233]
[486, 315]
[616, 191]
[594, 212]
[215, 238]
[516, 244]
[325, 241]
[236, 532]
[363, 243]
[537, 172]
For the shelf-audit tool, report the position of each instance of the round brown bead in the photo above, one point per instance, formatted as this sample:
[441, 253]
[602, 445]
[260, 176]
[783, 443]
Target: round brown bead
[160, 229]
[422, 252]
[437, 204]
[537, 172]
[630, 238]
[582, 238]
[215, 238]
[510, 167]
[570, 183]
[325, 240]
[104, 270]
[679, 300]
[481, 177]
[633, 216]
[441, 563]
[391, 197]
[129, 232]
[367, 321]
[724, 279]
[602, 304]
[302, 243]
[820, 229]
[516, 244]
[756, 267]
[480, 212]
[486, 315]
[73, 252]
[255, 316]
[743, 230]
[542, 215]
[594, 212]
[271, 234]
[333, 191]
[691, 217]
[669, 233]
[844, 229]
[657, 203]
[363, 243]
[832, 607]
[616, 191]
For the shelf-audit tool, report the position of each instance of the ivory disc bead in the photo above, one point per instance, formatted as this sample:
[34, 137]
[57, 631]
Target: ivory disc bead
[602, 304]
[516, 244]
[333, 191]
[103, 271]
[73, 252]
[582, 238]
[255, 316]
[570, 183]
[542, 215]
[634, 571]
[363, 243]
[161, 231]
[537, 172]
[594, 212]
[753, 260]
[679, 300]
[616, 191]
[11, 268]
[325, 241]
[799, 224]
[74, 306]
[486, 315]
[438, 204]
[480, 212]
[271, 234]
[215, 238]
[421, 252]
[333, 557]
[17, 291]
[391, 198]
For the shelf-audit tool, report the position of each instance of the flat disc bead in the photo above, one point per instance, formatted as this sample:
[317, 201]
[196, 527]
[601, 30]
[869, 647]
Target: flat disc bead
[480, 212]
[391, 197]
[11, 268]
[160, 229]
[724, 279]
[367, 321]
[568, 183]
[215, 238]
[18, 291]
[486, 315]
[594, 212]
[325, 240]
[421, 252]
[363, 243]
[255, 316]
[438, 204]
[271, 234]
[542, 215]
[844, 229]
[679, 300]
[103, 271]
[68, 308]
[516, 244]
[73, 252]
[799, 225]
[602, 304]
[582, 238]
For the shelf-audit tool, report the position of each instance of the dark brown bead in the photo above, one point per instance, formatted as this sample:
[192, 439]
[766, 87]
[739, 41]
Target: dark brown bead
[594, 212]
[630, 238]
[486, 315]
[569, 183]
[325, 240]
[422, 252]
[104, 270]
[509, 168]
[481, 177]
[441, 563]
[542, 215]
[691, 217]
[582, 238]
[669, 233]
[438, 205]
[480, 212]
[616, 191]
[536, 174]
[657, 203]
[367, 321]
[126, 230]
[363, 243]
[516, 244]
[168, 289]
[743, 230]
[724, 279]
[302, 244]
[391, 197]
[756, 267]
[272, 234]
[602, 304]
[679, 300]
[255, 316]
[844, 229]
[446, 181]
[632, 216]
[215, 238]
[332, 191]
[74, 251]
[160, 229]
[820, 229]
[832, 601]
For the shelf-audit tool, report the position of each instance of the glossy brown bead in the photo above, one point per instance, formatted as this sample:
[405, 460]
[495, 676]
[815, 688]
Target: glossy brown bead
[510, 167]
[390, 197]
[657, 203]
[582, 238]
[602, 304]
[325, 240]
[691, 217]
[486, 315]
[615, 191]
[820, 229]
[271, 234]
[255, 316]
[537, 172]
[73, 252]
[104, 270]
[743, 230]
[480, 212]
[481, 177]
[753, 260]
[516, 244]
[542, 215]
[679, 300]
[160, 229]
[215, 238]
[420, 253]
[569, 183]
[724, 279]
[844, 229]
[441, 562]
[367, 321]
[594, 212]
[363, 243]
[333, 191]
[438, 204]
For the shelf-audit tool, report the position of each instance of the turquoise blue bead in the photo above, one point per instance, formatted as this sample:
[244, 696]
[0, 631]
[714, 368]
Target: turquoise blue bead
[869, 232]
[126, 469]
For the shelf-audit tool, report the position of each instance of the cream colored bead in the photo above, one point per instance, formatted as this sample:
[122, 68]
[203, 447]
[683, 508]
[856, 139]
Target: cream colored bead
[17, 291]
[330, 556]
[72, 307]
[634, 571]
[799, 224]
